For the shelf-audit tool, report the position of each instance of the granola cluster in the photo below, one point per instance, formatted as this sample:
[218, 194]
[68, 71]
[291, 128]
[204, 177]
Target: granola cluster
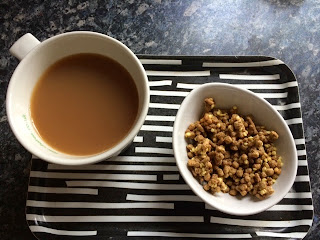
[229, 153]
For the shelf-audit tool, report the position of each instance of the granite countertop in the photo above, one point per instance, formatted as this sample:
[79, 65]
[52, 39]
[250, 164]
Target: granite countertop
[285, 29]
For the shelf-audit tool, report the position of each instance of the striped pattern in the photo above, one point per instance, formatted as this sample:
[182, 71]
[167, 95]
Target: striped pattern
[140, 194]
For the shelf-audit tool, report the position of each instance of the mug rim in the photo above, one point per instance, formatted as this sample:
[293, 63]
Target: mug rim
[83, 159]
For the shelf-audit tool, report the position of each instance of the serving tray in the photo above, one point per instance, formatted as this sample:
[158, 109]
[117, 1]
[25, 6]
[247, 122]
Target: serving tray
[140, 194]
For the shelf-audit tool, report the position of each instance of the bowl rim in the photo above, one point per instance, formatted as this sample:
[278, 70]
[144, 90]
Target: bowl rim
[181, 164]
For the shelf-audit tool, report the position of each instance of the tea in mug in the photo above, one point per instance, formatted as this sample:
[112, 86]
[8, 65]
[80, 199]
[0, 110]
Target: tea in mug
[84, 104]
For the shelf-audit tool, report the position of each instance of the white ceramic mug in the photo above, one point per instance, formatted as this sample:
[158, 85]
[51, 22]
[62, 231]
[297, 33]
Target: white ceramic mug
[36, 57]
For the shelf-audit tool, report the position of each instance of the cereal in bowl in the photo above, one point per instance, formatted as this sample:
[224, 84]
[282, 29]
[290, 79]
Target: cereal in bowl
[229, 153]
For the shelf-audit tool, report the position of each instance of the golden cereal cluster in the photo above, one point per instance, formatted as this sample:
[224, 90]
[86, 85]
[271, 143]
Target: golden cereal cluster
[229, 153]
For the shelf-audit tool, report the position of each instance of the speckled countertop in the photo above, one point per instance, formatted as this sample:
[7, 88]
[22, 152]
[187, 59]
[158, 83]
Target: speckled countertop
[285, 29]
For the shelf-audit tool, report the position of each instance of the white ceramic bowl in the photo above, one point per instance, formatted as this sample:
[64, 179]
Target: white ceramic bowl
[226, 96]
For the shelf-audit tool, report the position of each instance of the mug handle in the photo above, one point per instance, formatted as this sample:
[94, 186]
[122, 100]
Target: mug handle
[23, 46]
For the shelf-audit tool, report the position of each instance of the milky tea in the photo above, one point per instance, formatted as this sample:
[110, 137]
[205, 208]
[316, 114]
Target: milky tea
[84, 104]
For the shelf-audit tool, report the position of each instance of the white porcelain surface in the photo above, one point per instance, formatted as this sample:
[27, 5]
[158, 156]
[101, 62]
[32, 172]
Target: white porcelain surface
[226, 96]
[37, 58]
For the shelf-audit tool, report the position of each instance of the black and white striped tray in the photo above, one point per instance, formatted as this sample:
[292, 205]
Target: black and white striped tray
[140, 194]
